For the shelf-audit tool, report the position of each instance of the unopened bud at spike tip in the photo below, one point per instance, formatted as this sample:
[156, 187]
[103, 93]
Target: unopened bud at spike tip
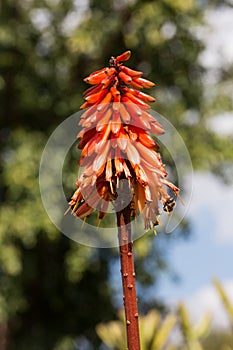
[124, 56]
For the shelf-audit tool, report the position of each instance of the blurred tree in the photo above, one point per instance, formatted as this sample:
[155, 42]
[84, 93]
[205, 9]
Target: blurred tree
[49, 285]
[45, 277]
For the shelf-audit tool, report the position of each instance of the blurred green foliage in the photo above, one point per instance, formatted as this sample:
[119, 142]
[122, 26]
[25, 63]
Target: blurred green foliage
[226, 301]
[174, 331]
[154, 331]
[192, 334]
[221, 339]
[51, 288]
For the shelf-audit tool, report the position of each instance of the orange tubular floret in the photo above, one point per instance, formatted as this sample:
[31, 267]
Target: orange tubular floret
[125, 116]
[85, 105]
[122, 140]
[118, 162]
[125, 78]
[136, 85]
[93, 98]
[147, 154]
[156, 129]
[103, 122]
[115, 123]
[92, 90]
[147, 140]
[137, 101]
[110, 71]
[104, 103]
[95, 79]
[132, 108]
[107, 82]
[144, 82]
[98, 72]
[132, 154]
[83, 211]
[132, 73]
[144, 97]
[114, 91]
[108, 171]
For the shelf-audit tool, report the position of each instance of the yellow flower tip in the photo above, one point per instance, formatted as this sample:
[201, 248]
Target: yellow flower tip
[154, 231]
[84, 221]
[75, 207]
[67, 210]
[159, 222]
[181, 200]
[98, 223]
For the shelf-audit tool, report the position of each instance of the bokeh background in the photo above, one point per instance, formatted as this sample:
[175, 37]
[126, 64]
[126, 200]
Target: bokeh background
[53, 291]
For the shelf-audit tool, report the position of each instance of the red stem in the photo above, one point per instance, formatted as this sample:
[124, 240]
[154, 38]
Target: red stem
[128, 278]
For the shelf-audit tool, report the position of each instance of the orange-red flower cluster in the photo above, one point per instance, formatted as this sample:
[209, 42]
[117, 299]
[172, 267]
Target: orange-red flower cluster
[116, 144]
